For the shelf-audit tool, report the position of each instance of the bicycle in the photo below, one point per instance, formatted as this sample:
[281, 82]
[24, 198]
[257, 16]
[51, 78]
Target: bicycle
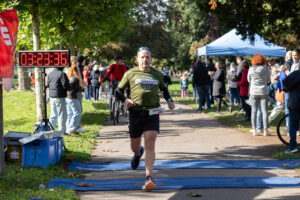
[283, 130]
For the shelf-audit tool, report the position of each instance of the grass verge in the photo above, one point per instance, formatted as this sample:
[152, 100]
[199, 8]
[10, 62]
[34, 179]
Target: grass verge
[24, 183]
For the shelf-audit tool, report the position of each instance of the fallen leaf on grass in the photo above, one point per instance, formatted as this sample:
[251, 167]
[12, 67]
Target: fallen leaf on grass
[285, 164]
[17, 189]
[83, 184]
[194, 195]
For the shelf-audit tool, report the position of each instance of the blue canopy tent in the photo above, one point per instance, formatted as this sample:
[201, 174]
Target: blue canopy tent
[232, 44]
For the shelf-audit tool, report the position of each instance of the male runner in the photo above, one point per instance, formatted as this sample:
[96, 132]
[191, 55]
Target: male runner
[143, 82]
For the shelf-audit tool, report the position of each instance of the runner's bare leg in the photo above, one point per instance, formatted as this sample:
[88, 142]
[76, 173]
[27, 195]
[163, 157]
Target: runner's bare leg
[149, 139]
[136, 145]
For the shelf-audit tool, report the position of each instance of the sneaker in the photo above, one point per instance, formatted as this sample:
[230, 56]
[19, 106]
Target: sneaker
[149, 184]
[255, 132]
[135, 161]
[267, 133]
[295, 150]
[81, 130]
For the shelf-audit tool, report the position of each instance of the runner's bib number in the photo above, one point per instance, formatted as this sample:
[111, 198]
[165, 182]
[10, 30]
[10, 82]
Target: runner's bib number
[156, 111]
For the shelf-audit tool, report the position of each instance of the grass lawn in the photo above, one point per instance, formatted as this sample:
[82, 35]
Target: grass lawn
[231, 119]
[24, 183]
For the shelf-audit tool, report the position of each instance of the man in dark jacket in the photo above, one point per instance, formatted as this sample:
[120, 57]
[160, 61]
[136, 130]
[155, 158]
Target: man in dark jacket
[58, 84]
[201, 81]
[291, 84]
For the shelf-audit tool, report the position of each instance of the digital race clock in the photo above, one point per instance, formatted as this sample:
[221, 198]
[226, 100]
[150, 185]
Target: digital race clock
[51, 58]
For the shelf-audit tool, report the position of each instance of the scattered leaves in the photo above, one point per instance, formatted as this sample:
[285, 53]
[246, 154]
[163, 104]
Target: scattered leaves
[83, 184]
[191, 194]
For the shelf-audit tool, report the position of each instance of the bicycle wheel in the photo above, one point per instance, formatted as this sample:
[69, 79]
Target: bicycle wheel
[283, 130]
[113, 111]
[117, 111]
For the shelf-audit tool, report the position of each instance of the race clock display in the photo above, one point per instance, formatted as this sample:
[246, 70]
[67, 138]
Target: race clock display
[51, 58]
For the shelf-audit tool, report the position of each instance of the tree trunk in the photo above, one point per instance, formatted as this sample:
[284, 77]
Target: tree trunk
[38, 71]
[72, 48]
[23, 79]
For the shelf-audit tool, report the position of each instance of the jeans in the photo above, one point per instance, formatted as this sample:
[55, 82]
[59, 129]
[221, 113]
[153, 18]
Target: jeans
[276, 111]
[294, 118]
[87, 93]
[81, 109]
[286, 109]
[259, 119]
[256, 103]
[203, 92]
[95, 92]
[272, 91]
[234, 94]
[246, 107]
[58, 113]
[74, 113]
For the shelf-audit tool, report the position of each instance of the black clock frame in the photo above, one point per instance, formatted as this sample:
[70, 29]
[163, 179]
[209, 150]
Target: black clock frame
[45, 51]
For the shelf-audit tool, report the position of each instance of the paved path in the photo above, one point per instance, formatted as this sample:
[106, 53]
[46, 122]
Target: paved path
[186, 134]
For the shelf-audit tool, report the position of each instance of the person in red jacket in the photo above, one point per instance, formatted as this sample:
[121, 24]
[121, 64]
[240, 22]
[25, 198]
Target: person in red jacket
[115, 72]
[244, 90]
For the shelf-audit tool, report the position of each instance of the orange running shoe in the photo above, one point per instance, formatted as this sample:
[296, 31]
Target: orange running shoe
[149, 184]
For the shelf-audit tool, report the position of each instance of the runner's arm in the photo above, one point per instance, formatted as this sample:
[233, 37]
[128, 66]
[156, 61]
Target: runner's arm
[166, 94]
[120, 94]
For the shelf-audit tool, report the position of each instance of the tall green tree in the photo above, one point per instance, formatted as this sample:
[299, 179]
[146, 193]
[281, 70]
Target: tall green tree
[74, 23]
[189, 25]
[276, 20]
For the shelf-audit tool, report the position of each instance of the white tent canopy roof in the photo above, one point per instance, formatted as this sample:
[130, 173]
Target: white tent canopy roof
[232, 44]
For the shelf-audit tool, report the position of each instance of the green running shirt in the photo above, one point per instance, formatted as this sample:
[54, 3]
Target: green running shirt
[144, 87]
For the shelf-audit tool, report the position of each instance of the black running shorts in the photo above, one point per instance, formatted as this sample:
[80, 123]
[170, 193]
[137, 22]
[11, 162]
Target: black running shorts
[140, 121]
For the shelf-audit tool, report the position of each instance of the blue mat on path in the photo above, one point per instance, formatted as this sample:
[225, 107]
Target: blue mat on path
[175, 183]
[191, 164]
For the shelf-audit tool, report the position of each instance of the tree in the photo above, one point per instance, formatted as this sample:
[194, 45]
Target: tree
[276, 20]
[188, 25]
[77, 23]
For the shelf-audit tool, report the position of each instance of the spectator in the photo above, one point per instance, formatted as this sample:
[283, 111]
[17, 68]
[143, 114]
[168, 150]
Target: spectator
[274, 70]
[102, 84]
[58, 83]
[291, 84]
[219, 89]
[239, 61]
[244, 90]
[167, 77]
[87, 81]
[184, 84]
[95, 82]
[295, 66]
[200, 82]
[259, 78]
[232, 84]
[73, 103]
[211, 69]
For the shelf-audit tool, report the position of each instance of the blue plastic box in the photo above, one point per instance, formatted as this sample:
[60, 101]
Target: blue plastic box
[60, 146]
[40, 153]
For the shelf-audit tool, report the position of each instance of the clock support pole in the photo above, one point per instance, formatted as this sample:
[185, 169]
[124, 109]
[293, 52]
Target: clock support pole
[45, 124]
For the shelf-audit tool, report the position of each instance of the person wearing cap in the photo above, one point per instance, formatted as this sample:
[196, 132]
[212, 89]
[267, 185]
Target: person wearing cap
[115, 72]
[144, 83]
